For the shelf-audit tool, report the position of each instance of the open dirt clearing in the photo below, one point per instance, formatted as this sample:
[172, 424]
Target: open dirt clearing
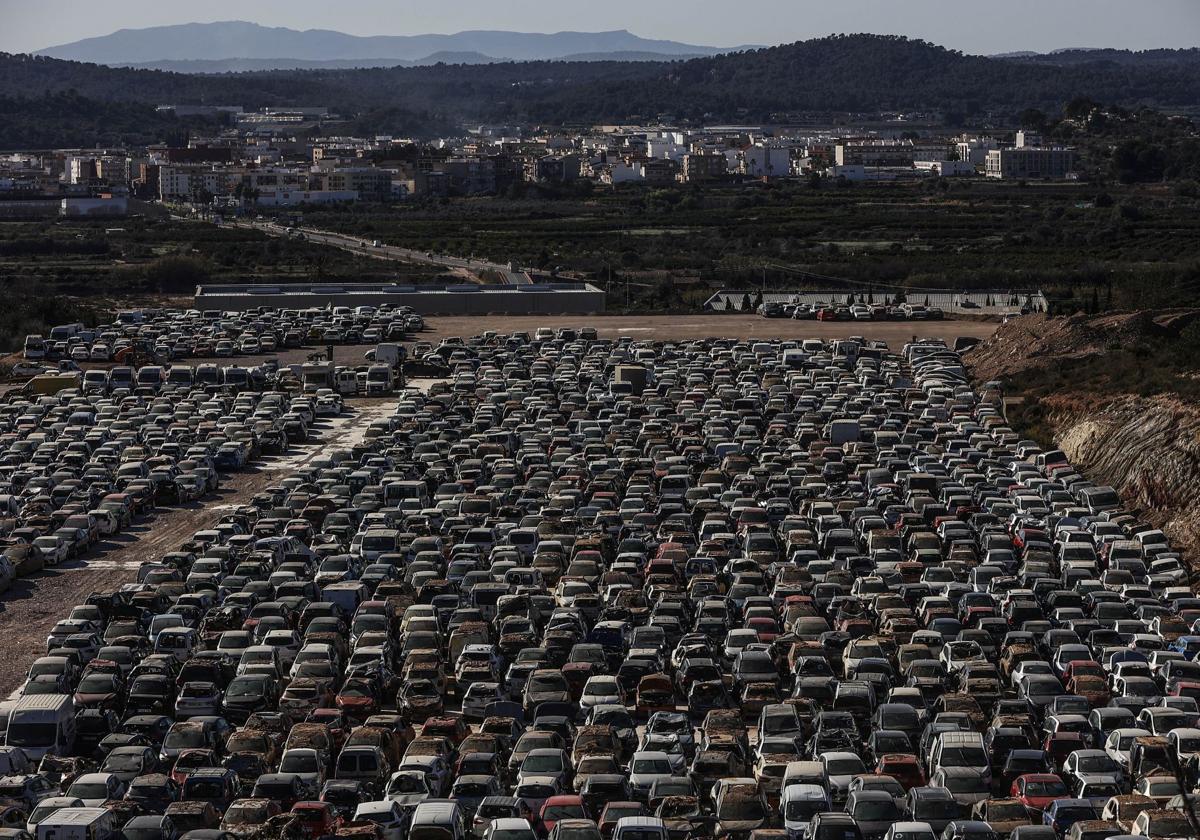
[677, 327]
[34, 604]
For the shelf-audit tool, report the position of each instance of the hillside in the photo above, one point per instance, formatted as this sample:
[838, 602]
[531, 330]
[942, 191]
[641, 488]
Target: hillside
[837, 73]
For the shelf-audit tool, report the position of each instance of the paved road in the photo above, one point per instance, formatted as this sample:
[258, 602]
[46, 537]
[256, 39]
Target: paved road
[363, 247]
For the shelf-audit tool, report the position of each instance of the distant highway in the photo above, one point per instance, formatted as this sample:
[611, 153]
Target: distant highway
[364, 247]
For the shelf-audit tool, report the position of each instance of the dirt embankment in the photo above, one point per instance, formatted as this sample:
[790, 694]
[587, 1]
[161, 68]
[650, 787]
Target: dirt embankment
[1034, 342]
[1147, 446]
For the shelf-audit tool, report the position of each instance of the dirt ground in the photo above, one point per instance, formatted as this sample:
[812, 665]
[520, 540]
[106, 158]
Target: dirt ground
[30, 609]
[677, 327]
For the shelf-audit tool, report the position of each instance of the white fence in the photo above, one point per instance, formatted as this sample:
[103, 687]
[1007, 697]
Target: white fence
[996, 302]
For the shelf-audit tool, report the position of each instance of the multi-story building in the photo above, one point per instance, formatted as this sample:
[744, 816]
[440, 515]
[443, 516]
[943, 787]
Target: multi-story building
[371, 184]
[1030, 163]
[873, 153]
[704, 166]
[761, 161]
[190, 182]
[974, 150]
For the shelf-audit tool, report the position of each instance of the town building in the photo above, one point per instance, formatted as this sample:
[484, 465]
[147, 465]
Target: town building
[704, 166]
[1030, 163]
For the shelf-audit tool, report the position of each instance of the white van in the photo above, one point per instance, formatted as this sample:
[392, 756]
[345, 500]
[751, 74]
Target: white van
[181, 642]
[345, 382]
[77, 824]
[35, 347]
[42, 724]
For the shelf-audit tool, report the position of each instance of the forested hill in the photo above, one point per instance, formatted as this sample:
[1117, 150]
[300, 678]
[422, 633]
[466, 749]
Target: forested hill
[838, 73]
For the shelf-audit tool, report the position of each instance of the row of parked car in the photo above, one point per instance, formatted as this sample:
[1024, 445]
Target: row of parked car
[79, 466]
[851, 311]
[769, 590]
[167, 334]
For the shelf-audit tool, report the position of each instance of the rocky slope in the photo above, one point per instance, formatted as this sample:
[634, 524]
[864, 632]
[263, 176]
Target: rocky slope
[1146, 445]
[1147, 448]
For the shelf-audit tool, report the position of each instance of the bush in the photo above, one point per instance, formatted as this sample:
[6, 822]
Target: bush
[177, 274]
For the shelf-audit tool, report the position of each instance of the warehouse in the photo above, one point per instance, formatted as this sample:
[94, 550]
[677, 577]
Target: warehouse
[458, 299]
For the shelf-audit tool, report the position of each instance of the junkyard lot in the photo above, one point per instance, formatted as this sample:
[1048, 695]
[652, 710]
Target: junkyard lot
[32, 606]
[30, 609]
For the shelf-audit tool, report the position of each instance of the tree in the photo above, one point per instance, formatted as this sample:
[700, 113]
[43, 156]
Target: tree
[176, 273]
[1032, 118]
[746, 305]
[728, 303]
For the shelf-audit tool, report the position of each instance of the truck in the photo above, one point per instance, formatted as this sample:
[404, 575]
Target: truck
[35, 347]
[48, 384]
[64, 331]
[386, 354]
[379, 380]
[630, 378]
[316, 375]
[345, 382]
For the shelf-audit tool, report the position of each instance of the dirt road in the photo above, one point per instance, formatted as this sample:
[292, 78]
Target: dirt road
[30, 609]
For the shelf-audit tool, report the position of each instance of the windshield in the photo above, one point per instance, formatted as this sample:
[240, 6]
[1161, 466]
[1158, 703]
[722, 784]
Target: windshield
[935, 809]
[965, 784]
[204, 788]
[121, 761]
[875, 811]
[184, 739]
[740, 808]
[299, 763]
[84, 790]
[963, 757]
[32, 734]
[243, 688]
[649, 765]
[800, 810]
[541, 764]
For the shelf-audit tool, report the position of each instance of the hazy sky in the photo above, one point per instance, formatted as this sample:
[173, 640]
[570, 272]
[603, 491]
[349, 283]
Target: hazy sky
[978, 26]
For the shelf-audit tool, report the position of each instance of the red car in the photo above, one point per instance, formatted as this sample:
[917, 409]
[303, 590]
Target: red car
[190, 760]
[903, 767]
[316, 818]
[1037, 790]
[562, 807]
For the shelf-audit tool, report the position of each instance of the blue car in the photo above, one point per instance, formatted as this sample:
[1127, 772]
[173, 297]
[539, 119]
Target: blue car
[1064, 813]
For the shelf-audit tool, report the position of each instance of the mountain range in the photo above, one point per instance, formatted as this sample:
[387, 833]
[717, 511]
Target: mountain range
[239, 46]
[48, 102]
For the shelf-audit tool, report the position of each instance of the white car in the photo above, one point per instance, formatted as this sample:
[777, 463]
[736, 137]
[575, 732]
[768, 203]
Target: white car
[601, 690]
[53, 549]
[478, 696]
